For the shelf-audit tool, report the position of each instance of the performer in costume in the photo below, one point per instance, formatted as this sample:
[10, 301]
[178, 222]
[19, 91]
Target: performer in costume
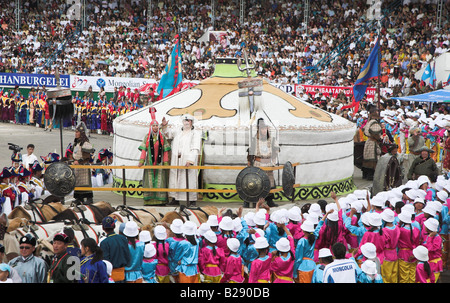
[372, 148]
[263, 152]
[186, 146]
[154, 151]
[82, 150]
[388, 172]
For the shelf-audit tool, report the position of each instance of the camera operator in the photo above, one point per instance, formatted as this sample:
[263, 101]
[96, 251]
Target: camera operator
[29, 158]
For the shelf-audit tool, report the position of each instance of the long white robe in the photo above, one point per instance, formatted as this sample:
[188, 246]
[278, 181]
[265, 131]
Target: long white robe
[187, 144]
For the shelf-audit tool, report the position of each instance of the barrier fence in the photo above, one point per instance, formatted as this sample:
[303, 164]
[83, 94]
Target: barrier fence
[125, 189]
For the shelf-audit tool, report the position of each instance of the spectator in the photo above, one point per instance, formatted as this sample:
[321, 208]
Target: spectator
[93, 269]
[30, 268]
[115, 250]
[341, 270]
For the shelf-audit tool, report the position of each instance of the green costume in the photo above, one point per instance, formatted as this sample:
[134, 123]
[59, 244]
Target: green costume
[156, 150]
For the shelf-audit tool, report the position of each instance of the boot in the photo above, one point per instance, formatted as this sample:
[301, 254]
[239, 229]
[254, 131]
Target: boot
[246, 205]
[88, 201]
[269, 201]
[173, 202]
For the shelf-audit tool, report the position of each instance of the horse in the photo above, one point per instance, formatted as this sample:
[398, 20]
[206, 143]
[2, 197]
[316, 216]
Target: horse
[142, 216]
[39, 230]
[198, 215]
[36, 212]
[91, 214]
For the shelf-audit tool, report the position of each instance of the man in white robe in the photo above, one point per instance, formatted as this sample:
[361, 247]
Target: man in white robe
[186, 147]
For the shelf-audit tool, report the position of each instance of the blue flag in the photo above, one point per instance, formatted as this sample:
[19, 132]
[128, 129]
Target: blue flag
[427, 73]
[433, 76]
[171, 79]
[369, 71]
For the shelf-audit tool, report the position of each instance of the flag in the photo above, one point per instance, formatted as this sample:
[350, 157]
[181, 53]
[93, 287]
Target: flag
[448, 80]
[369, 71]
[170, 82]
[433, 76]
[426, 74]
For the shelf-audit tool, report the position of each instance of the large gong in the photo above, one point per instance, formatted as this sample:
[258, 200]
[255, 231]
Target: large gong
[59, 179]
[288, 179]
[252, 183]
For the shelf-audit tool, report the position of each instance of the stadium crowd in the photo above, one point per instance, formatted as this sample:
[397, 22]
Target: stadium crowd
[115, 40]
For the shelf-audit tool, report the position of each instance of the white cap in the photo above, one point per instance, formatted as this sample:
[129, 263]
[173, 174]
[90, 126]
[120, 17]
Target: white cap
[369, 250]
[388, 215]
[307, 226]
[213, 221]
[189, 228]
[210, 236]
[365, 218]
[226, 224]
[237, 224]
[436, 205]
[294, 215]
[131, 229]
[149, 250]
[369, 267]
[144, 236]
[160, 232]
[233, 244]
[442, 195]
[405, 217]
[249, 218]
[259, 218]
[314, 218]
[176, 226]
[261, 242]
[325, 252]
[203, 228]
[357, 205]
[429, 209]
[283, 245]
[423, 179]
[378, 201]
[333, 216]
[315, 208]
[421, 253]
[419, 200]
[432, 224]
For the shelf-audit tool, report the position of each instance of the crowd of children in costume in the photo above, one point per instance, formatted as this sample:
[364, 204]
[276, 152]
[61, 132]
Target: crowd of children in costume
[396, 236]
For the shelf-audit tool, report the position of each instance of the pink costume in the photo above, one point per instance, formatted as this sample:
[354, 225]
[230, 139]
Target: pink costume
[351, 238]
[162, 254]
[422, 276]
[405, 245]
[260, 270]
[283, 268]
[377, 239]
[210, 264]
[390, 249]
[233, 269]
[434, 246]
[222, 243]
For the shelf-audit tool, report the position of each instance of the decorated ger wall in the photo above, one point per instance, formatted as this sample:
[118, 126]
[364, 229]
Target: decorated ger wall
[321, 142]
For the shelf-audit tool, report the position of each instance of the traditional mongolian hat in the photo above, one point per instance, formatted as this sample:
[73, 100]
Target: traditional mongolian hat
[50, 158]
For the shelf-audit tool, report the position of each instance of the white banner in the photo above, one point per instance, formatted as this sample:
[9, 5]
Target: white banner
[82, 83]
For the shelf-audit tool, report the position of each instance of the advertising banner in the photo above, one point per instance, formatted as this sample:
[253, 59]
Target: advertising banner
[33, 80]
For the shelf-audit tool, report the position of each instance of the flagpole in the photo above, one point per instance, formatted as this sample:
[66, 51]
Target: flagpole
[379, 67]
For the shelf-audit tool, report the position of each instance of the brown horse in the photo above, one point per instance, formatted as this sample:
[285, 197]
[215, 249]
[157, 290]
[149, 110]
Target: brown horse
[198, 215]
[36, 212]
[91, 214]
[142, 216]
